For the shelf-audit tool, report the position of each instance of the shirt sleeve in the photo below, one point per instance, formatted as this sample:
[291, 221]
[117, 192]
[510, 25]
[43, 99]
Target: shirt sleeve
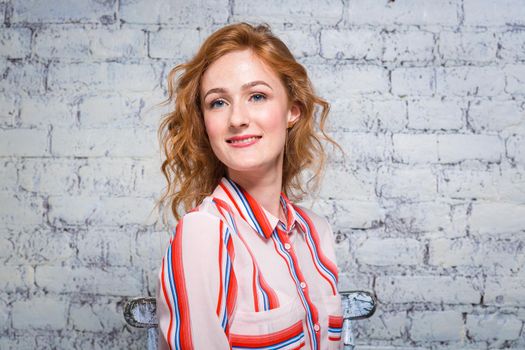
[197, 285]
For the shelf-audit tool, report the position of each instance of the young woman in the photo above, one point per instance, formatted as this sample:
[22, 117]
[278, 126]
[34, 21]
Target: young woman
[246, 268]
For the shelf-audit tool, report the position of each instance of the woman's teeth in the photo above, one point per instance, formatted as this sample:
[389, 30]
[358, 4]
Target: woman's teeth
[249, 139]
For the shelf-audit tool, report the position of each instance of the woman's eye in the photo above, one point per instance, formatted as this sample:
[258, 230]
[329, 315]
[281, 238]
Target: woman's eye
[217, 104]
[258, 97]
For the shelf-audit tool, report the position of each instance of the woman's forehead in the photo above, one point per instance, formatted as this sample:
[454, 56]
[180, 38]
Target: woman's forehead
[236, 69]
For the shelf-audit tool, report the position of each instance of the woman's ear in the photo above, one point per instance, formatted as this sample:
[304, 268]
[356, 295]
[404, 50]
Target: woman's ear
[294, 114]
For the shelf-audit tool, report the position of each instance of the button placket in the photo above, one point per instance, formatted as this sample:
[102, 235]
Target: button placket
[301, 286]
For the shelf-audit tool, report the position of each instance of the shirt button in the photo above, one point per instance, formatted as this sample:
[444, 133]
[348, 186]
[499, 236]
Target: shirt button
[303, 285]
[316, 327]
[287, 246]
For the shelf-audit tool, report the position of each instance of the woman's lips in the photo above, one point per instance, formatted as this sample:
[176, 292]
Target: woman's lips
[243, 141]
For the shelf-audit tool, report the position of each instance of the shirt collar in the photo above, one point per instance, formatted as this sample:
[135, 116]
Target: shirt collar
[262, 221]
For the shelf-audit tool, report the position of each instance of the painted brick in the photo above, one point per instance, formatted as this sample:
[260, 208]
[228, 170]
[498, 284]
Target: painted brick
[491, 184]
[356, 44]
[15, 42]
[9, 110]
[40, 245]
[426, 12]
[427, 289]
[515, 148]
[362, 146]
[471, 81]
[16, 278]
[6, 246]
[506, 291]
[435, 114]
[39, 11]
[514, 77]
[43, 110]
[108, 110]
[148, 178]
[414, 81]
[18, 341]
[437, 326]
[302, 43]
[20, 209]
[175, 44]
[408, 183]
[323, 11]
[512, 46]
[425, 217]
[108, 176]
[454, 148]
[105, 247]
[408, 46]
[467, 46]
[488, 218]
[177, 12]
[346, 79]
[481, 115]
[363, 114]
[496, 257]
[111, 76]
[28, 77]
[489, 13]
[494, 326]
[96, 317]
[357, 184]
[150, 248]
[9, 175]
[13, 142]
[40, 313]
[86, 210]
[4, 318]
[358, 214]
[393, 251]
[415, 148]
[103, 143]
[45, 176]
[81, 43]
[60, 279]
[384, 325]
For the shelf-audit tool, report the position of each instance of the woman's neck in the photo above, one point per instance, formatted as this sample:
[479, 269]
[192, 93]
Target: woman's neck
[264, 187]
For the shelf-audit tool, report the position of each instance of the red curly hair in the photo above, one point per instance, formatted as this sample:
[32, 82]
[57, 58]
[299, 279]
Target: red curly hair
[191, 168]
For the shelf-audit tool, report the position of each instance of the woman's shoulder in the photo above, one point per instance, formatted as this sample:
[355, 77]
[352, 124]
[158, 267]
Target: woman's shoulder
[201, 217]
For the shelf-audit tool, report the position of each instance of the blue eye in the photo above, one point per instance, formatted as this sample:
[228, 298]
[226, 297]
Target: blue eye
[217, 104]
[258, 97]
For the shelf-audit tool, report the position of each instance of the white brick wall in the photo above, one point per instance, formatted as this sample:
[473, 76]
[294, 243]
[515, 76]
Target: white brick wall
[428, 102]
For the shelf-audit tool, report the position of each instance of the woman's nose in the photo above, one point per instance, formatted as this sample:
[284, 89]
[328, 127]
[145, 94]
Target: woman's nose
[239, 116]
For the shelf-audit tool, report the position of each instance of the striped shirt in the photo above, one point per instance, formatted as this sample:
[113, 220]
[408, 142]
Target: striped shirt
[236, 277]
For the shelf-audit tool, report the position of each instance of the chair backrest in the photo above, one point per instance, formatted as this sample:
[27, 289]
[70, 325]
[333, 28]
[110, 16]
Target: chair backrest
[142, 313]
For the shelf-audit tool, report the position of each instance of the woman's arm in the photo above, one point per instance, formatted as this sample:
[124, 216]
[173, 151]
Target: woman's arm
[197, 286]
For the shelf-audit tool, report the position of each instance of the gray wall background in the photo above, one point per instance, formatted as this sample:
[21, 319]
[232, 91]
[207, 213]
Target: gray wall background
[428, 207]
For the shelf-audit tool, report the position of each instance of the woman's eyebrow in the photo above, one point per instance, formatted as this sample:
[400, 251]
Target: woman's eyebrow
[243, 87]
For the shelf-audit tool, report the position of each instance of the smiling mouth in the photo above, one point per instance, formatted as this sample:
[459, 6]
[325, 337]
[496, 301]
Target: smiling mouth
[243, 140]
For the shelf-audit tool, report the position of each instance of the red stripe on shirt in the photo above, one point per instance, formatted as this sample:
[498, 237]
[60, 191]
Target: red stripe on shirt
[168, 302]
[324, 260]
[232, 199]
[260, 341]
[182, 297]
[219, 299]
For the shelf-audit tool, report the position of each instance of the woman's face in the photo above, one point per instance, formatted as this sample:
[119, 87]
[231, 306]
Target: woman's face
[246, 114]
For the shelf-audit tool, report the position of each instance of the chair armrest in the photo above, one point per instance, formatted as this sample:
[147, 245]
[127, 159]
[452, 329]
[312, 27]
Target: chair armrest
[141, 312]
[358, 304]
